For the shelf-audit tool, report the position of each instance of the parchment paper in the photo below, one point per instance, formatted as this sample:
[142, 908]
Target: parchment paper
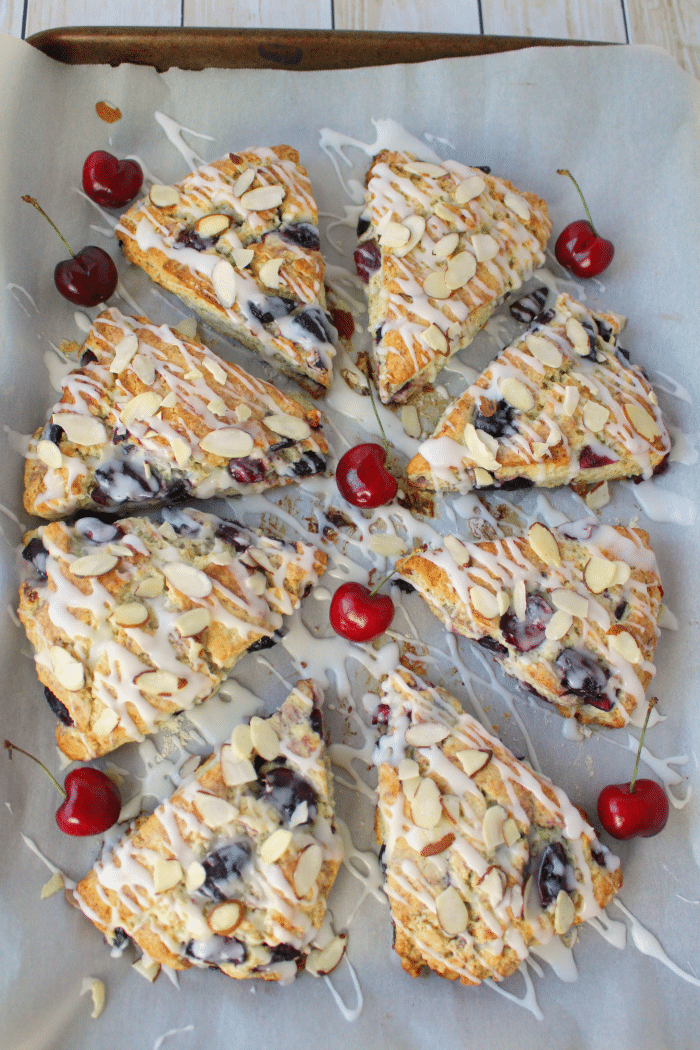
[625, 121]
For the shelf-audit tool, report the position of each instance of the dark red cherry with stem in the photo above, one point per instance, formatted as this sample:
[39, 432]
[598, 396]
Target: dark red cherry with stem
[91, 801]
[89, 277]
[579, 247]
[109, 181]
[361, 474]
[637, 808]
[360, 614]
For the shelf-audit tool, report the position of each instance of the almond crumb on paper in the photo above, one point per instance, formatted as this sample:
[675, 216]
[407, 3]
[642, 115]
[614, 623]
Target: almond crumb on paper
[97, 990]
[105, 111]
[54, 885]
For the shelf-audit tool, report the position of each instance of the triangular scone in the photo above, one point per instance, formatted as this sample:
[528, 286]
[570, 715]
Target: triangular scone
[232, 871]
[484, 857]
[572, 611]
[440, 245]
[132, 622]
[153, 416]
[237, 240]
[562, 403]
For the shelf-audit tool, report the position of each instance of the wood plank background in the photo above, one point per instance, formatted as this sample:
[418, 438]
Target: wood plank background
[671, 24]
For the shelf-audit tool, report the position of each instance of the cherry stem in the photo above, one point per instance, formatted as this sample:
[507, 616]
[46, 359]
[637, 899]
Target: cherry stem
[376, 413]
[381, 583]
[13, 747]
[652, 703]
[30, 200]
[563, 171]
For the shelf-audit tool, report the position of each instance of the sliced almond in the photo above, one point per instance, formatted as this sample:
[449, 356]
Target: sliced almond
[242, 741]
[235, 768]
[226, 917]
[482, 446]
[223, 279]
[262, 198]
[511, 832]
[518, 205]
[130, 614]
[491, 885]
[469, 188]
[166, 875]
[212, 225]
[215, 368]
[460, 270]
[598, 496]
[169, 401]
[595, 416]
[451, 911]
[144, 369]
[321, 963]
[50, 454]
[228, 442]
[571, 602]
[143, 406]
[410, 421]
[599, 574]
[559, 626]
[187, 327]
[97, 990]
[544, 544]
[622, 573]
[625, 645]
[544, 351]
[433, 848]
[257, 582]
[124, 352]
[275, 846]
[451, 808]
[419, 167]
[180, 449]
[408, 769]
[69, 671]
[80, 430]
[386, 545]
[425, 805]
[243, 181]
[485, 247]
[164, 196]
[307, 869]
[641, 420]
[503, 599]
[434, 285]
[578, 336]
[410, 786]
[516, 394]
[571, 399]
[157, 683]
[416, 224]
[473, 760]
[242, 257]
[482, 478]
[243, 412]
[54, 885]
[484, 602]
[214, 811]
[564, 913]
[151, 587]
[196, 876]
[423, 734]
[264, 738]
[492, 827]
[94, 564]
[189, 581]
[435, 339]
[446, 245]
[288, 426]
[193, 622]
[300, 815]
[395, 235]
[457, 550]
[269, 273]
[520, 599]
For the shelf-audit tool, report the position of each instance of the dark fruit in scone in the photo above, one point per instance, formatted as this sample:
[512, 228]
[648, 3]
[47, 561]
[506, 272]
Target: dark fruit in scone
[367, 260]
[527, 634]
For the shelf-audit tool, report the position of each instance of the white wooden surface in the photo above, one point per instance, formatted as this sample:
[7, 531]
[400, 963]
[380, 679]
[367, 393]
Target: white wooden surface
[672, 24]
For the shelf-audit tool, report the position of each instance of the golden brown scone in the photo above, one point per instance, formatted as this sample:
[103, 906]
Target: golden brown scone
[233, 870]
[440, 246]
[151, 416]
[561, 404]
[135, 621]
[484, 857]
[237, 241]
[571, 611]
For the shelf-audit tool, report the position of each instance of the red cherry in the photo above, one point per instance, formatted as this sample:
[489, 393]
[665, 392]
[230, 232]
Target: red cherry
[343, 323]
[579, 247]
[91, 801]
[639, 807]
[109, 181]
[362, 478]
[88, 277]
[358, 614]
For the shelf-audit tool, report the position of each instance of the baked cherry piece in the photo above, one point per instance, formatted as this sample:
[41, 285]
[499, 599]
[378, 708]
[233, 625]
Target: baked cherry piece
[362, 477]
[359, 614]
[91, 801]
[579, 247]
[89, 277]
[110, 182]
[639, 807]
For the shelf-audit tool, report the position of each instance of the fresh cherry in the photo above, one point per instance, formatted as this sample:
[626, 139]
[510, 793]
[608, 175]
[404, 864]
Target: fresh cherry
[579, 248]
[110, 182]
[359, 614]
[637, 808]
[89, 277]
[91, 801]
[362, 478]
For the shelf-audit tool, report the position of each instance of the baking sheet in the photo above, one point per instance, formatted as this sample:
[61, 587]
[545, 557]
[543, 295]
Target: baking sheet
[625, 121]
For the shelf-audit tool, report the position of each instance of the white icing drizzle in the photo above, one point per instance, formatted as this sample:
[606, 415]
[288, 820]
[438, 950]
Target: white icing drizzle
[171, 1032]
[68, 882]
[646, 943]
[672, 508]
